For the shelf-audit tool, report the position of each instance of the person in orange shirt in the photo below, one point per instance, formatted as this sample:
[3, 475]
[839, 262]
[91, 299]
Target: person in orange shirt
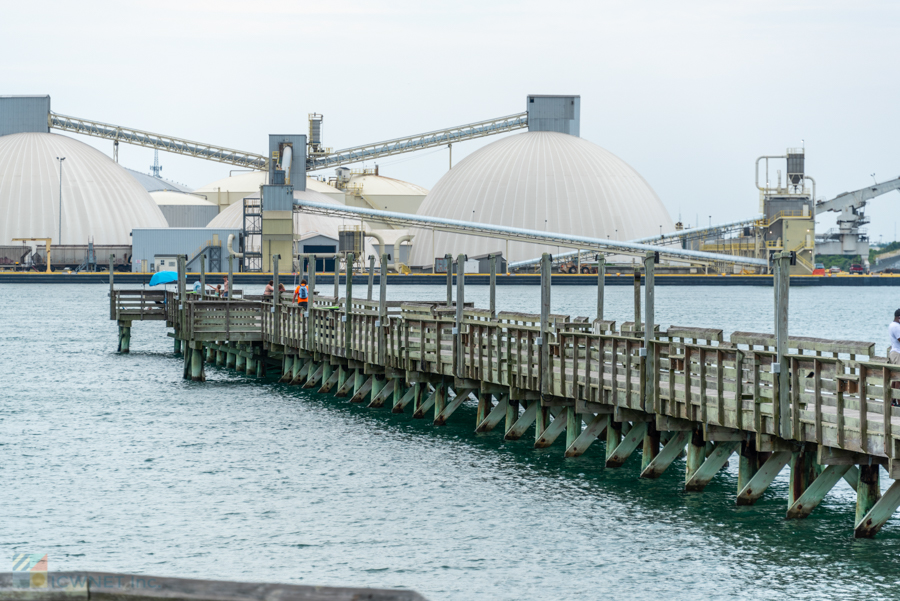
[301, 295]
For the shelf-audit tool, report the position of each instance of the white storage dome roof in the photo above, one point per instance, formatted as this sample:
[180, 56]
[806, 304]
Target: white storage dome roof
[168, 197]
[100, 199]
[542, 181]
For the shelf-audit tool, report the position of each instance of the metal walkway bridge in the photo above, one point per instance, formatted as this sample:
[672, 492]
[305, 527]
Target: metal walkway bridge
[249, 160]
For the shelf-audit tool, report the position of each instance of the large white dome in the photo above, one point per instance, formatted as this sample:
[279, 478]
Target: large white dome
[542, 181]
[100, 199]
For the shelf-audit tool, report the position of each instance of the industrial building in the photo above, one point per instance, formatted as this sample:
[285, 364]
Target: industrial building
[183, 209]
[98, 200]
[545, 179]
[232, 189]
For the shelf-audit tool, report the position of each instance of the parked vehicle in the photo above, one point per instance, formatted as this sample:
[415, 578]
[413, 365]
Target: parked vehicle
[835, 269]
[857, 269]
[819, 270]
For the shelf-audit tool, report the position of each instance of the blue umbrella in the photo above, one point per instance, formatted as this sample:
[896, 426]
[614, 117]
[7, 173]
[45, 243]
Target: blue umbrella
[163, 277]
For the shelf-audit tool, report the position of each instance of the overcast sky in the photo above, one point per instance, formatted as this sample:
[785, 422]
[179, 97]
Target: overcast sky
[688, 93]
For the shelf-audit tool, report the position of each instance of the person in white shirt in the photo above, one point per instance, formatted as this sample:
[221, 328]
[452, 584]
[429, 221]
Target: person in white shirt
[894, 350]
[894, 334]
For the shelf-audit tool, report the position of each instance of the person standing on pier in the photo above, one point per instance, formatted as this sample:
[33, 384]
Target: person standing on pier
[301, 295]
[894, 350]
[269, 289]
[225, 288]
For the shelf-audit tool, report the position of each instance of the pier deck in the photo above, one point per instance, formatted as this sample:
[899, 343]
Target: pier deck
[823, 408]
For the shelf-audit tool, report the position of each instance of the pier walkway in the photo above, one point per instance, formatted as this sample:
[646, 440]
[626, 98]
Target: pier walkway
[820, 408]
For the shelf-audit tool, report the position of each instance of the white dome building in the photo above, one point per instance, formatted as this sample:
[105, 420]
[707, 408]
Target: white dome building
[384, 193]
[184, 210]
[100, 199]
[544, 181]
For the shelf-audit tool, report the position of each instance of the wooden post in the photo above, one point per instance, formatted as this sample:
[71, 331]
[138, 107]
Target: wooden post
[202, 276]
[545, 323]
[251, 362]
[196, 365]
[182, 299]
[649, 338]
[493, 259]
[372, 275]
[457, 330]
[601, 282]
[125, 338]
[276, 296]
[696, 453]
[782, 377]
[337, 275]
[382, 307]
[240, 361]
[637, 298]
[348, 301]
[112, 290]
[311, 304]
[448, 260]
[382, 290]
[867, 491]
[748, 463]
[230, 277]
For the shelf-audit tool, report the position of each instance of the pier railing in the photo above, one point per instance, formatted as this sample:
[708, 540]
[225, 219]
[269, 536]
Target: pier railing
[823, 405]
[140, 305]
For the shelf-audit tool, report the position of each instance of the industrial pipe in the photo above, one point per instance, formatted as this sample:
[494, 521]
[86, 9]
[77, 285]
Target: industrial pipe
[767, 168]
[287, 156]
[812, 209]
[671, 236]
[518, 234]
[230, 250]
[397, 242]
[380, 241]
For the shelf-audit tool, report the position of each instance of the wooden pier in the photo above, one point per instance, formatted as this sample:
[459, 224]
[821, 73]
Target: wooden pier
[820, 408]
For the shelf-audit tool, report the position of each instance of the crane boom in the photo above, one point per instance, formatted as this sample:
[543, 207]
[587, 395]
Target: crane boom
[858, 198]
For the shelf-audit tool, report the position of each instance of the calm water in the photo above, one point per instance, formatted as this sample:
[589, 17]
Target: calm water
[115, 463]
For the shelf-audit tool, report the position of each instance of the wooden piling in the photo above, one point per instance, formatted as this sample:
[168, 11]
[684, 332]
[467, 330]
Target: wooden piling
[601, 284]
[493, 299]
[782, 288]
[448, 261]
[348, 306]
[868, 491]
[637, 297]
[371, 276]
[337, 275]
[459, 367]
[196, 365]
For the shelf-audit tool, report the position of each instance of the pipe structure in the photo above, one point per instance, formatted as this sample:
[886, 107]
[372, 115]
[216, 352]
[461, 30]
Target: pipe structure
[380, 241]
[397, 243]
[231, 250]
[520, 234]
[781, 156]
[662, 239]
[286, 157]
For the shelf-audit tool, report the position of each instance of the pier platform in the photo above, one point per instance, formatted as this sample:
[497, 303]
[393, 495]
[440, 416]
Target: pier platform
[822, 409]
